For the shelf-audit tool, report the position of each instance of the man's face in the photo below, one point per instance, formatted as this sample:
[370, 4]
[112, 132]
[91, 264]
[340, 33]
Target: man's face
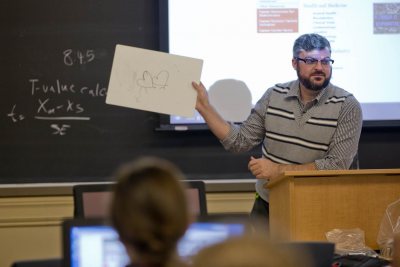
[314, 76]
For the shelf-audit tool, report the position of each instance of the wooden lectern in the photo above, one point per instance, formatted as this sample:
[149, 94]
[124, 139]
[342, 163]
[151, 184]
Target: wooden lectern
[304, 205]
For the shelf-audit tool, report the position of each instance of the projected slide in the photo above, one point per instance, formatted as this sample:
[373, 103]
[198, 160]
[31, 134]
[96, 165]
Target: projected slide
[251, 41]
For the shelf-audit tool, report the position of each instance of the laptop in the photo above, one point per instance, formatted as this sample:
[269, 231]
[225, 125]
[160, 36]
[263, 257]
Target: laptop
[320, 253]
[94, 243]
[93, 200]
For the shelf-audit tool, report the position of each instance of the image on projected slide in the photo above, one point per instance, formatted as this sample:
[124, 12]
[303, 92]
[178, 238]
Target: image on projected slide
[386, 18]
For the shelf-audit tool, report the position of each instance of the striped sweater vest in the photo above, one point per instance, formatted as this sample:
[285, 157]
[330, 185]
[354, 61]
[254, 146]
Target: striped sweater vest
[295, 138]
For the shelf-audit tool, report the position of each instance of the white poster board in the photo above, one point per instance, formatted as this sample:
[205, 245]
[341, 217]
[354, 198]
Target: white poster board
[153, 81]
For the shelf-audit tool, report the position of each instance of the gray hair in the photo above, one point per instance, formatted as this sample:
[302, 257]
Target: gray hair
[309, 42]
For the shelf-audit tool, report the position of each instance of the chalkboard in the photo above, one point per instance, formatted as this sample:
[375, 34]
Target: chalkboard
[56, 59]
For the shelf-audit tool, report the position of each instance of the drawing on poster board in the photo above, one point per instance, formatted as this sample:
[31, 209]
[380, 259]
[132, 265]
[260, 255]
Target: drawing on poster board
[151, 82]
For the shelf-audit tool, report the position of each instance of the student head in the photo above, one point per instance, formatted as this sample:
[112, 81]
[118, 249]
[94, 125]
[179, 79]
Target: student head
[247, 251]
[149, 210]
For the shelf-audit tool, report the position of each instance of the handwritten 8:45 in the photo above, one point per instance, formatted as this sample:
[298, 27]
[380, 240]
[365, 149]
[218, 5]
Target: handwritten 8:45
[72, 57]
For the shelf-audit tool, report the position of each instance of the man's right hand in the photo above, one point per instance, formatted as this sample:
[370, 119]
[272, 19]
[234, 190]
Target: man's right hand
[215, 122]
[202, 101]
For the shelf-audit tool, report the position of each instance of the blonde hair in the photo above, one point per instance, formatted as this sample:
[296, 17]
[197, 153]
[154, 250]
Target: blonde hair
[246, 251]
[149, 209]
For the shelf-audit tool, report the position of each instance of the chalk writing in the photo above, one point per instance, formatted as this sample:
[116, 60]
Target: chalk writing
[65, 118]
[60, 130]
[72, 57]
[14, 116]
[69, 106]
[48, 105]
[64, 88]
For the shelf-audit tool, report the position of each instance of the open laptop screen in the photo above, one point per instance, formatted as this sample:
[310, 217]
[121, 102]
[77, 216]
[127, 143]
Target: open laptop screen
[93, 200]
[95, 245]
[92, 243]
[202, 234]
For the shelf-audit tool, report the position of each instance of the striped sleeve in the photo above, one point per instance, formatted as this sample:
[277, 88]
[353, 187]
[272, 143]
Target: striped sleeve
[251, 132]
[344, 145]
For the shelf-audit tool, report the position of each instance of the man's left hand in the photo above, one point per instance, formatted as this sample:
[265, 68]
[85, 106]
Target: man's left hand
[263, 168]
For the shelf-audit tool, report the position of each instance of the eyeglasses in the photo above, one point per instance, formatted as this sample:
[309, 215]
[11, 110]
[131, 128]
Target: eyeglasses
[313, 61]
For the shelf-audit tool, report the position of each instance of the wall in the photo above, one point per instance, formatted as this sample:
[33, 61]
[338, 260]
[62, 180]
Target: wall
[30, 217]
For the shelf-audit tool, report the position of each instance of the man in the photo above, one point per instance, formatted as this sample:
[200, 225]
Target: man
[306, 124]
